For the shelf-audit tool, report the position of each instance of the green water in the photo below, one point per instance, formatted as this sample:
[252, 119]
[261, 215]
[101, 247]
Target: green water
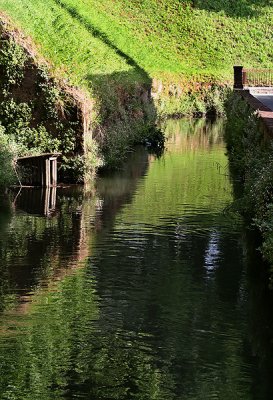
[144, 287]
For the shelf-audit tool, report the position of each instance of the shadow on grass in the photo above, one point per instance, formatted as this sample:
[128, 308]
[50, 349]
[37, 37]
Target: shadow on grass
[233, 8]
[126, 109]
[97, 33]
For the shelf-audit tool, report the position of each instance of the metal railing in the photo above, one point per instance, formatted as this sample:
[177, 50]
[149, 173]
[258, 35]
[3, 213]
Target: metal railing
[257, 77]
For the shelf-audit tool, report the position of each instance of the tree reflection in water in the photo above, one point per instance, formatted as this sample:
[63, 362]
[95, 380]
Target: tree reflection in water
[138, 289]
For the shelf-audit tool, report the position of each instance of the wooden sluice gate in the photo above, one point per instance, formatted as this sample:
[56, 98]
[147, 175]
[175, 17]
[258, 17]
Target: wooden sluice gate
[40, 170]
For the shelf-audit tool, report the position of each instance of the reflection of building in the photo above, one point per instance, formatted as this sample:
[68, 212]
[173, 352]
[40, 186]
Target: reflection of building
[37, 250]
[37, 201]
[52, 229]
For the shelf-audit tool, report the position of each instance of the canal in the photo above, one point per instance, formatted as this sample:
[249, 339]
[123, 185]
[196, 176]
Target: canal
[145, 286]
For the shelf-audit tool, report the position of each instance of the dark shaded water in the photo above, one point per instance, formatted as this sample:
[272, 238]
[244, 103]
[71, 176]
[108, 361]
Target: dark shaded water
[145, 287]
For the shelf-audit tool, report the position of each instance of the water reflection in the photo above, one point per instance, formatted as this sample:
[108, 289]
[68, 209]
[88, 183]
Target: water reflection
[36, 201]
[212, 254]
[138, 289]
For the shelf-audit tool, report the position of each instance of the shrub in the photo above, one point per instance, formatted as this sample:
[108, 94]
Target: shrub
[12, 62]
[7, 173]
[251, 159]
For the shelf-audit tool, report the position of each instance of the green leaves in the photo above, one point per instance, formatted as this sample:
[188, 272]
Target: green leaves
[7, 174]
[12, 63]
[251, 159]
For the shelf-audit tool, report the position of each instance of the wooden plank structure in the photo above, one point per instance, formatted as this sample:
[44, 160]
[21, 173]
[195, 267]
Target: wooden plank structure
[40, 170]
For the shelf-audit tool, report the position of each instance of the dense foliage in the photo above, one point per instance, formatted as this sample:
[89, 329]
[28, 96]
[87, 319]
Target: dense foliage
[7, 172]
[251, 160]
[37, 115]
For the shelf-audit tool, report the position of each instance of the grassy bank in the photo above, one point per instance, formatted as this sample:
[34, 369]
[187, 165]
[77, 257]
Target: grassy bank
[251, 162]
[88, 38]
[42, 112]
[137, 60]
[177, 46]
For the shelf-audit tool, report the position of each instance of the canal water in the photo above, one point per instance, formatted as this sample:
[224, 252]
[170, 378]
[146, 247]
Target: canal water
[145, 286]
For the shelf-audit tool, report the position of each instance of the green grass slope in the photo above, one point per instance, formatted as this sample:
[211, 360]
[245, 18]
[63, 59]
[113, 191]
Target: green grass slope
[138, 39]
[121, 51]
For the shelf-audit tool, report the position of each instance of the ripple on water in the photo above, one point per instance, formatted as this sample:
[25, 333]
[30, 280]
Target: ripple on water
[135, 291]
